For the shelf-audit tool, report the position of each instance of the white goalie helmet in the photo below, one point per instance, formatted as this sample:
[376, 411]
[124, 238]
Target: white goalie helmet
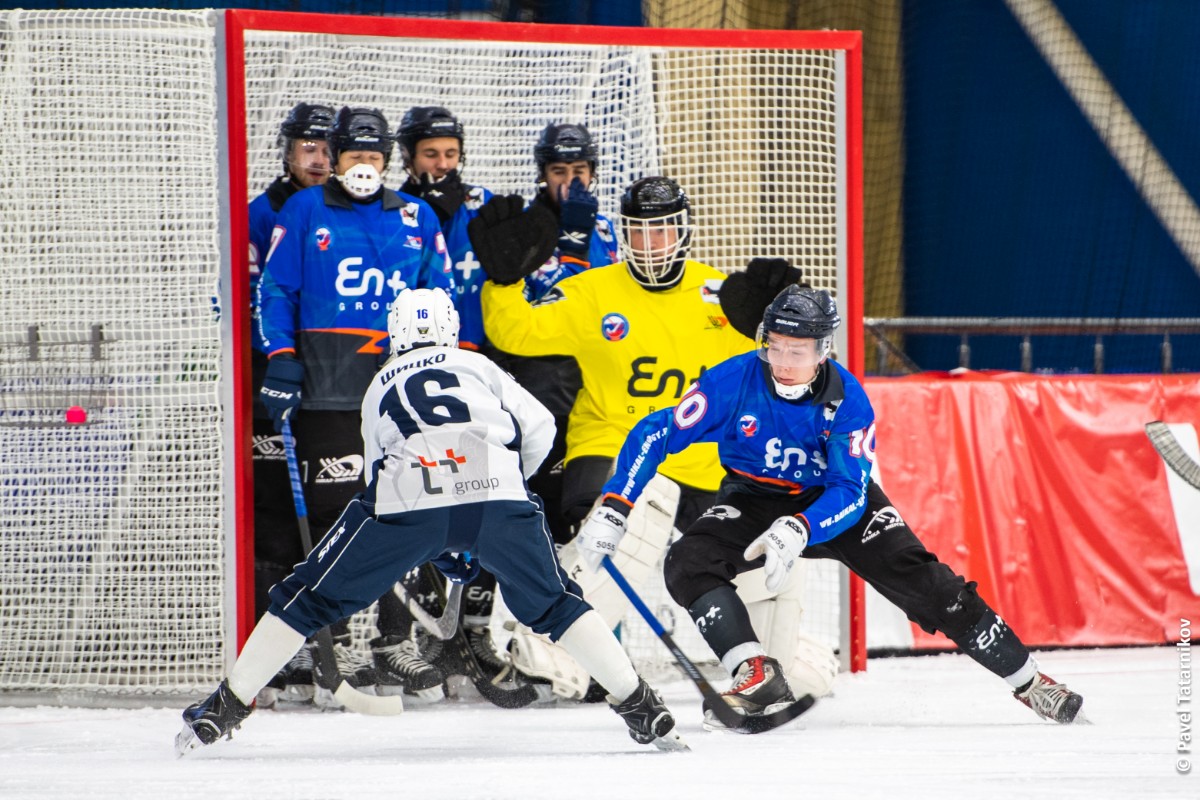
[422, 318]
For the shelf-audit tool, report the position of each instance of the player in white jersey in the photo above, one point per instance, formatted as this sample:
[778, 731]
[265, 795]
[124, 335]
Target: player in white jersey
[451, 439]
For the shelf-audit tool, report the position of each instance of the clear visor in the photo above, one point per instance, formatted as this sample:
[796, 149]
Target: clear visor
[651, 246]
[792, 353]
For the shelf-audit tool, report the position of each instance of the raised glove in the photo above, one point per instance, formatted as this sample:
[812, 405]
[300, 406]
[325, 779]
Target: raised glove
[445, 195]
[745, 295]
[577, 220]
[599, 536]
[458, 567]
[510, 242]
[782, 544]
[280, 391]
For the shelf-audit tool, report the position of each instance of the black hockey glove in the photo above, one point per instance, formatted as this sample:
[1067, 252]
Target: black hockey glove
[280, 391]
[445, 196]
[577, 220]
[510, 242]
[745, 295]
[459, 567]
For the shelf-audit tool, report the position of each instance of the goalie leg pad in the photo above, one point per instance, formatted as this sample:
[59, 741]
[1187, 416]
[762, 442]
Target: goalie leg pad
[647, 534]
[534, 655]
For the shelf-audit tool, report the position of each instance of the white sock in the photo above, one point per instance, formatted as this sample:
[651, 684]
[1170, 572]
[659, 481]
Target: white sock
[1024, 675]
[271, 645]
[734, 658]
[592, 644]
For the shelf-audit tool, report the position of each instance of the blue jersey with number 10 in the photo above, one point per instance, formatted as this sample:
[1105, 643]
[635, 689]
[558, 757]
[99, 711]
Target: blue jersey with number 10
[766, 443]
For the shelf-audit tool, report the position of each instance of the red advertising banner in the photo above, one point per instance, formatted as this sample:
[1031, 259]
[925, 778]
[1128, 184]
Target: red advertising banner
[1046, 490]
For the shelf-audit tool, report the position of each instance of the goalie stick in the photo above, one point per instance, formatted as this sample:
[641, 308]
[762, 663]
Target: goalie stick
[724, 712]
[328, 674]
[458, 658]
[1169, 448]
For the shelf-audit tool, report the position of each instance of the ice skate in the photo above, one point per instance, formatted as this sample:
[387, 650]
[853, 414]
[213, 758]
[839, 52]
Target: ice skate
[400, 668]
[648, 719]
[490, 661]
[759, 688]
[355, 668]
[1051, 700]
[298, 680]
[207, 721]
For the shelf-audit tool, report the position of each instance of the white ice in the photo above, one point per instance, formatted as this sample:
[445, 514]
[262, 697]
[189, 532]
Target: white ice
[923, 727]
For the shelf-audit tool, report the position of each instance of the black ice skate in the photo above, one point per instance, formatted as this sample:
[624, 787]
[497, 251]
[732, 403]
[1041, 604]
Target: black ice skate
[207, 721]
[491, 662]
[299, 681]
[648, 719]
[355, 668]
[1051, 700]
[399, 667]
[759, 689]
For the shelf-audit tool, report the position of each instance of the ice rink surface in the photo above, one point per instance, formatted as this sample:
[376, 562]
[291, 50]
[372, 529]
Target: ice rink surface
[924, 727]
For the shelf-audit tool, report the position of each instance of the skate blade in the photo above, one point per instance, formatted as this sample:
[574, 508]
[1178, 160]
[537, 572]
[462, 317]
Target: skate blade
[671, 743]
[186, 741]
[1080, 719]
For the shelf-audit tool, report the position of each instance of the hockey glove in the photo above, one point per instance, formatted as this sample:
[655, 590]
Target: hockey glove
[745, 295]
[577, 220]
[280, 391]
[458, 567]
[782, 544]
[511, 243]
[445, 196]
[599, 535]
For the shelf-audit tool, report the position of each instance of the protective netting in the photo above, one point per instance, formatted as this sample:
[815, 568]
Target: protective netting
[114, 577]
[111, 554]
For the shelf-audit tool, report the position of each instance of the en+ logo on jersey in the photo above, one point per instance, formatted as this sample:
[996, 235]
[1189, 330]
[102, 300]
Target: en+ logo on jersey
[614, 327]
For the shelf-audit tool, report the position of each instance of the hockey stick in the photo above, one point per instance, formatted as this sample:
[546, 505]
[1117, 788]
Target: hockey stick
[458, 659]
[329, 675]
[442, 627]
[1168, 447]
[724, 712]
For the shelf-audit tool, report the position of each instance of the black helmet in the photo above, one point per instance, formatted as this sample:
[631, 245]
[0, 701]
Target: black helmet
[360, 129]
[652, 203]
[306, 121]
[802, 313]
[564, 143]
[427, 122]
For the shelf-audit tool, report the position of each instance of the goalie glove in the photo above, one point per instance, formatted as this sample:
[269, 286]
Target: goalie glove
[280, 391]
[745, 295]
[782, 544]
[600, 534]
[577, 220]
[445, 195]
[509, 242]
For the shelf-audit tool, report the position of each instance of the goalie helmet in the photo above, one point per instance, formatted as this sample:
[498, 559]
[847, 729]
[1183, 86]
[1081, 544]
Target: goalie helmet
[427, 122]
[422, 318]
[560, 144]
[655, 208]
[360, 128]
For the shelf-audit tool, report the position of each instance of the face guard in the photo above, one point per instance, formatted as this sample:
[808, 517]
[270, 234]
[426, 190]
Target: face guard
[664, 240]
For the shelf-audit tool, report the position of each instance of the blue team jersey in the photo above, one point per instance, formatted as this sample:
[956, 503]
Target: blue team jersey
[332, 270]
[468, 272]
[770, 445]
[602, 251]
[263, 211]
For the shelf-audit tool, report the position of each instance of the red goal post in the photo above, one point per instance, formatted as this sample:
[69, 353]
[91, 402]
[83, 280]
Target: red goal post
[761, 128]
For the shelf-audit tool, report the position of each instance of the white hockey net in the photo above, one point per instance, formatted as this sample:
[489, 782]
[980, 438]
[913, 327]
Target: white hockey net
[115, 560]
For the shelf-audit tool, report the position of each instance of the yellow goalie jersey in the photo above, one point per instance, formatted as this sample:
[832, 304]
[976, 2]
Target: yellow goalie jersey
[638, 350]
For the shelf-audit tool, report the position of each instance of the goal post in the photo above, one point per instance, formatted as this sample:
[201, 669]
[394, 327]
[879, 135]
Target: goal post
[126, 558]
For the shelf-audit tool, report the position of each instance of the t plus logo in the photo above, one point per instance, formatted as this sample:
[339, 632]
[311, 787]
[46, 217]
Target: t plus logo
[468, 266]
[427, 464]
[708, 618]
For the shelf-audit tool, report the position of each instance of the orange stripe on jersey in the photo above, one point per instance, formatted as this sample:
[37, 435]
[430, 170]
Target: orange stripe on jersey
[373, 337]
[793, 487]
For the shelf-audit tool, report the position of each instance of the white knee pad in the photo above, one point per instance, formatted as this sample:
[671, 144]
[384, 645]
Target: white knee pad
[809, 665]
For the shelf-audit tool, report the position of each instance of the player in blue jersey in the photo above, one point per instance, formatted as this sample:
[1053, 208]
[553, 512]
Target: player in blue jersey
[451, 439]
[339, 255]
[306, 162]
[796, 435]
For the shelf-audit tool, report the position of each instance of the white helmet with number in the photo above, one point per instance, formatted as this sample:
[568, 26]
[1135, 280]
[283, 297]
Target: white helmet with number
[422, 318]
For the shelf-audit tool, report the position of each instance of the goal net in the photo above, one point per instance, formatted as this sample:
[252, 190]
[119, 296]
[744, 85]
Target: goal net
[134, 140]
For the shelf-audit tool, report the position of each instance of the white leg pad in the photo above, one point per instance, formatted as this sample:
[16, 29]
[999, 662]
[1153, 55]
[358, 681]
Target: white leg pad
[533, 654]
[648, 533]
[272, 644]
[592, 644]
[809, 665]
